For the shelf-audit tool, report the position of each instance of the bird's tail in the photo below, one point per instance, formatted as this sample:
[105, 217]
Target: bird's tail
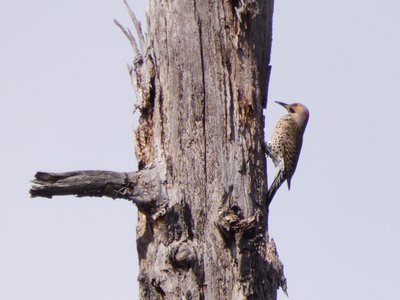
[279, 179]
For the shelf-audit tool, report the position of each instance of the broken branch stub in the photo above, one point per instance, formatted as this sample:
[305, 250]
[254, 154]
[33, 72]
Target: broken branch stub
[143, 188]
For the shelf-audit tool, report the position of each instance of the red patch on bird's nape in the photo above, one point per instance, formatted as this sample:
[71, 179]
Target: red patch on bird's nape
[306, 113]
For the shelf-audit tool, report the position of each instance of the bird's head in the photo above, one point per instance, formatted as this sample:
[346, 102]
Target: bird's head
[298, 112]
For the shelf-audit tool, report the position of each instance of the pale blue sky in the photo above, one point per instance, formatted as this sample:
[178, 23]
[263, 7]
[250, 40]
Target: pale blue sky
[68, 104]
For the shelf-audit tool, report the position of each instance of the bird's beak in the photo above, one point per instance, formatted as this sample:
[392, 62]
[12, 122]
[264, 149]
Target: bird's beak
[283, 104]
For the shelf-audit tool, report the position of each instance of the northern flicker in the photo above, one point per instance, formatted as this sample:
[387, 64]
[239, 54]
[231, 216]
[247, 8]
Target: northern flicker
[285, 145]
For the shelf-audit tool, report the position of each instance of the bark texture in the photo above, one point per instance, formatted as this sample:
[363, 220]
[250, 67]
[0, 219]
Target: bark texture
[201, 75]
[143, 188]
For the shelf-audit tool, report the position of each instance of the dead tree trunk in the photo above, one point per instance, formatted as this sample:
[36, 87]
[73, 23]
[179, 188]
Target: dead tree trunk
[201, 77]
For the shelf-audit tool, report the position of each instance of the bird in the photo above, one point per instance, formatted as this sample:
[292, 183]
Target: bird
[285, 145]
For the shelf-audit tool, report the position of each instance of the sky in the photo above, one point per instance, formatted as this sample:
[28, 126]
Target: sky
[67, 104]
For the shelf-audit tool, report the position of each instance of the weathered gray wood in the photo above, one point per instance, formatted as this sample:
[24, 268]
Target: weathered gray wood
[201, 76]
[142, 188]
[202, 87]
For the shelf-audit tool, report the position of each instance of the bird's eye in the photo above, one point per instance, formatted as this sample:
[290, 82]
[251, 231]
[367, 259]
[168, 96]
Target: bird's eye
[295, 104]
[291, 110]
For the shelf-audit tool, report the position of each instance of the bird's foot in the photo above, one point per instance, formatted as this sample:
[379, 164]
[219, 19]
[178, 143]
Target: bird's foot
[266, 149]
